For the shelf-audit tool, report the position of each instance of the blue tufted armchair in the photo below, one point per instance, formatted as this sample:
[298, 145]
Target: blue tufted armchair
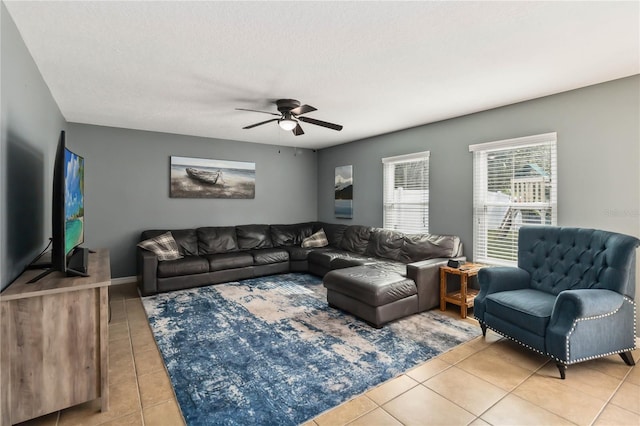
[570, 298]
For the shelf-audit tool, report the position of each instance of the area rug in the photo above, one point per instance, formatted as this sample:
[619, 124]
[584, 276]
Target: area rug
[271, 351]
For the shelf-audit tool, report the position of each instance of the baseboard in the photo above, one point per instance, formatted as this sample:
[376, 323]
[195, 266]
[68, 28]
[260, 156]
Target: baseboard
[124, 280]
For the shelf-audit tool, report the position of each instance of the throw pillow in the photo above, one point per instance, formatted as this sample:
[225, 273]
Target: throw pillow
[319, 239]
[164, 246]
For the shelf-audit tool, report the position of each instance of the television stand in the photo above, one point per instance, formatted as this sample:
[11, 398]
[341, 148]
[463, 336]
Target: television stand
[41, 262]
[55, 342]
[78, 262]
[77, 265]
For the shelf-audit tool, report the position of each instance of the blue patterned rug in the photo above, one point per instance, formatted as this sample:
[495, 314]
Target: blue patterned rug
[270, 351]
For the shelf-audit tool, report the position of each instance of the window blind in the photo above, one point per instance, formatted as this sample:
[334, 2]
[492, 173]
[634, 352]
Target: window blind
[514, 184]
[406, 192]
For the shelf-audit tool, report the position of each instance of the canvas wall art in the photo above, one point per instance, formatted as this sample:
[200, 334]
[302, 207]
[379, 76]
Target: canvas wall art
[344, 192]
[205, 178]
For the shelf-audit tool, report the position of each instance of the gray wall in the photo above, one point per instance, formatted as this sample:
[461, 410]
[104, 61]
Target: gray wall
[598, 161]
[31, 124]
[598, 152]
[127, 186]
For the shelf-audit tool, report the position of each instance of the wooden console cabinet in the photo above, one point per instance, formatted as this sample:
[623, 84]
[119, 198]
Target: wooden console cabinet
[54, 342]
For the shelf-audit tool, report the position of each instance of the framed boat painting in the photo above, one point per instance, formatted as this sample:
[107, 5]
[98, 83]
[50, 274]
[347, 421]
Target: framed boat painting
[205, 178]
[343, 190]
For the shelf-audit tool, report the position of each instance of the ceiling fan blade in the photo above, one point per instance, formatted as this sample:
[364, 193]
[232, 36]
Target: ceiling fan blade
[261, 123]
[298, 130]
[303, 109]
[255, 110]
[321, 123]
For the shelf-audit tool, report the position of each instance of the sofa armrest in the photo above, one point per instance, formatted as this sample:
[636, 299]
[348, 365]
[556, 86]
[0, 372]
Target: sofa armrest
[147, 272]
[426, 275]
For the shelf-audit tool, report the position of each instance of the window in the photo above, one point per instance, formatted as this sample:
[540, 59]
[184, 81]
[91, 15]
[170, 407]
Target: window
[406, 192]
[514, 184]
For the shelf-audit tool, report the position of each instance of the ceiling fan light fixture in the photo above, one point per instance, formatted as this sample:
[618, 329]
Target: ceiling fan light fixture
[287, 123]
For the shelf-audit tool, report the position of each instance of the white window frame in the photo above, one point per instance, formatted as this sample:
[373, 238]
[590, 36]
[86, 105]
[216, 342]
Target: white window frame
[394, 207]
[530, 199]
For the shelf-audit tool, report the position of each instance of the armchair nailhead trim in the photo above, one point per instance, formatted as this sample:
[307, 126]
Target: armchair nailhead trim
[511, 338]
[575, 323]
[567, 362]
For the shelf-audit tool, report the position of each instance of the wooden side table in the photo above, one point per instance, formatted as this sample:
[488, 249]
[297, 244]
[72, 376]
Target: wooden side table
[464, 297]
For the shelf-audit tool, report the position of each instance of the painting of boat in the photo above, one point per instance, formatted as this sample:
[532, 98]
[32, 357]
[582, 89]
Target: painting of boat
[204, 176]
[208, 178]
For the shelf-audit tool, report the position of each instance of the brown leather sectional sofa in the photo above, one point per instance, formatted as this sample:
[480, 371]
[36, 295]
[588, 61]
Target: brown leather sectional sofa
[214, 255]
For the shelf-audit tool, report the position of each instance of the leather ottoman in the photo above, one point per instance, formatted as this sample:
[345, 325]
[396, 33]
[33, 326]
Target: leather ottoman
[372, 293]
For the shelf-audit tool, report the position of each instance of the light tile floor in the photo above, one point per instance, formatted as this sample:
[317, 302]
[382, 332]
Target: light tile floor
[485, 381]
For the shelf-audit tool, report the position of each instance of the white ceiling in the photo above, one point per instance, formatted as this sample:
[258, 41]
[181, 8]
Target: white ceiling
[374, 67]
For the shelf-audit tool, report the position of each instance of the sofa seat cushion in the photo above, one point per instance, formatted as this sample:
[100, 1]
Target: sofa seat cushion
[188, 265]
[528, 309]
[269, 256]
[324, 257]
[389, 265]
[223, 261]
[300, 253]
[369, 284]
[347, 260]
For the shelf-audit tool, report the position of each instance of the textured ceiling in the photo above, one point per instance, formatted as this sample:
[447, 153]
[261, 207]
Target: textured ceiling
[374, 67]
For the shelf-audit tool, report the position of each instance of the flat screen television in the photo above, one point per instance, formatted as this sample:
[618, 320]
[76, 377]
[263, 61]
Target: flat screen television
[67, 213]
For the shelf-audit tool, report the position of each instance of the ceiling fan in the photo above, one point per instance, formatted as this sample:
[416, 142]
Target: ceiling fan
[290, 114]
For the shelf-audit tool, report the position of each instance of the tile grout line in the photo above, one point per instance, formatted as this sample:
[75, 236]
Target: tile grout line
[135, 367]
[613, 394]
[133, 358]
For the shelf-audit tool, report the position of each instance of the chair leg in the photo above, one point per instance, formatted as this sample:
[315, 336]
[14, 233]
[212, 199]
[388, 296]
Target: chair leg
[562, 369]
[627, 357]
[484, 329]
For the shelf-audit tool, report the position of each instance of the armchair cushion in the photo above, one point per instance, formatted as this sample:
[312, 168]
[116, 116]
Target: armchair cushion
[526, 308]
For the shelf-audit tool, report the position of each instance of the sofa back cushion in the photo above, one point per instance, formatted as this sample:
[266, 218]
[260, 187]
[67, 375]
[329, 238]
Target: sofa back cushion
[186, 239]
[418, 247]
[290, 235]
[218, 239]
[253, 236]
[562, 258]
[356, 239]
[333, 231]
[385, 243]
